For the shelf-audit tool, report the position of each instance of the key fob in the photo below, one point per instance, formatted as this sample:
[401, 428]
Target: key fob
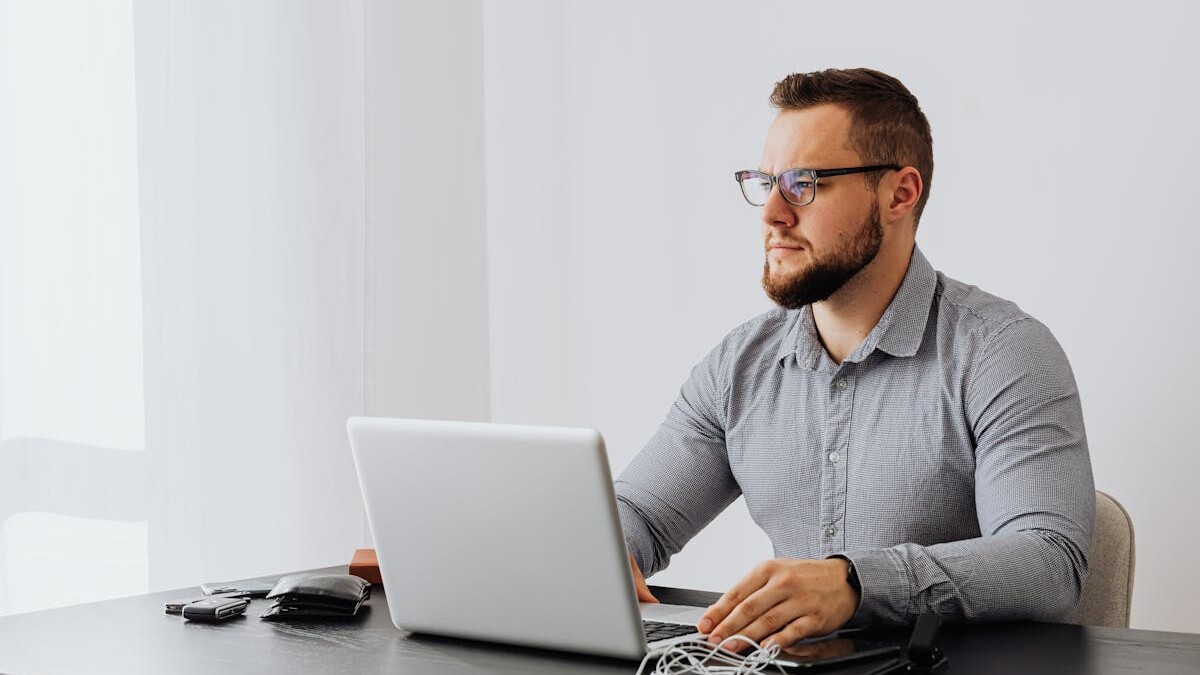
[215, 609]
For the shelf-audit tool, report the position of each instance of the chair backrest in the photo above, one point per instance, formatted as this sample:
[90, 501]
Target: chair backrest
[1108, 591]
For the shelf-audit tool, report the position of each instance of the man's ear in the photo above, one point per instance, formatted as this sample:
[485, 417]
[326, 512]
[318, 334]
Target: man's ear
[907, 187]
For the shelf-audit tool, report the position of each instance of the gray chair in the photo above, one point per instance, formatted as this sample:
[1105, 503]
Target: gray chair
[1108, 591]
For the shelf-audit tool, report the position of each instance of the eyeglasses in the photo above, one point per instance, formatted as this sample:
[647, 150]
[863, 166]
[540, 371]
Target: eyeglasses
[798, 186]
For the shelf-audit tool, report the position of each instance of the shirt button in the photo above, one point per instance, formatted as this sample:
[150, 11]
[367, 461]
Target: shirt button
[835, 457]
[839, 383]
[831, 531]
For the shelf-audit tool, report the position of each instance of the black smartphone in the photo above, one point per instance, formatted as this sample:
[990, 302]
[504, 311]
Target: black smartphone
[176, 606]
[254, 588]
[215, 609]
[836, 650]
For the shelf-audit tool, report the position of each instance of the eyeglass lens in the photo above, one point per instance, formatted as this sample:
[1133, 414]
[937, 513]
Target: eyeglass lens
[796, 185]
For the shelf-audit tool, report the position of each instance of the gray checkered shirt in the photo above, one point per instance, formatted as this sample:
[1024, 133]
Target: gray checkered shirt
[945, 457]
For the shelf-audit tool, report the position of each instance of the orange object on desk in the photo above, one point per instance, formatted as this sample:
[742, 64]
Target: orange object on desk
[365, 564]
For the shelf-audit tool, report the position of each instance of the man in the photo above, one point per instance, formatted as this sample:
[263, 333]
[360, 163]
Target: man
[909, 443]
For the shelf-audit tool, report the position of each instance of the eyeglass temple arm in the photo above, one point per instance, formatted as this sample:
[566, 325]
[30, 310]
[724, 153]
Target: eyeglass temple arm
[824, 173]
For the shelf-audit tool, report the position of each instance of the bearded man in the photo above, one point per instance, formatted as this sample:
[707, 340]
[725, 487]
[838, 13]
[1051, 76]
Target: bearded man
[908, 442]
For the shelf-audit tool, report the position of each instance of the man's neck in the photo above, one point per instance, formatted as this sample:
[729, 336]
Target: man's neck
[846, 318]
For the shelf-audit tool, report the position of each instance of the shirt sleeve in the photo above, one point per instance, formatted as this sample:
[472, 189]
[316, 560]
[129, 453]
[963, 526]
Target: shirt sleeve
[1034, 498]
[681, 479]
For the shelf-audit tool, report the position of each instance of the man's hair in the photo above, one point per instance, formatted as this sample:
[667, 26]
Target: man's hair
[886, 127]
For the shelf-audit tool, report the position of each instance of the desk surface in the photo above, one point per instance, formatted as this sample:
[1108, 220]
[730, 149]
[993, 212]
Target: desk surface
[133, 636]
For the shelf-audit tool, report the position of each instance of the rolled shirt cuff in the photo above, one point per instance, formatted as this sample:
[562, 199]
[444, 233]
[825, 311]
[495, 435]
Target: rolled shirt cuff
[638, 537]
[886, 590]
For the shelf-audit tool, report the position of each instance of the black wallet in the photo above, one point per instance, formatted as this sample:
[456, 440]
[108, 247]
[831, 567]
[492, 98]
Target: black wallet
[304, 596]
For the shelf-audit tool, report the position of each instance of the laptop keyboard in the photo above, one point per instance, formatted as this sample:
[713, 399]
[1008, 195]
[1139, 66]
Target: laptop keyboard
[658, 630]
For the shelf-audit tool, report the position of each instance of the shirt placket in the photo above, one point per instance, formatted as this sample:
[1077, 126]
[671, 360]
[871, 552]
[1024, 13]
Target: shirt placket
[833, 461]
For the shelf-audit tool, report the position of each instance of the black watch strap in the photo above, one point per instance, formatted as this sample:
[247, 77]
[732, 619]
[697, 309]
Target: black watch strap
[852, 576]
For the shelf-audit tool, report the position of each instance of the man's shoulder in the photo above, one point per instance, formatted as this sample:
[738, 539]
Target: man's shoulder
[973, 310]
[771, 325]
[757, 337]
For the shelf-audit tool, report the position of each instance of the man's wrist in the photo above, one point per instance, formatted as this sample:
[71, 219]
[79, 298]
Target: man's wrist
[852, 579]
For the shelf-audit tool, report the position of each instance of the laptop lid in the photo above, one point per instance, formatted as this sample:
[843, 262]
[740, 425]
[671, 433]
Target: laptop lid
[498, 532]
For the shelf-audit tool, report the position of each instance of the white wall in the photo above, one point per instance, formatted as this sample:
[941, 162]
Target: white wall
[1065, 142]
[527, 232]
[426, 349]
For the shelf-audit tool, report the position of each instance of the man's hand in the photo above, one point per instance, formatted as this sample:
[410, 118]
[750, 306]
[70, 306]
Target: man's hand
[782, 601]
[639, 582]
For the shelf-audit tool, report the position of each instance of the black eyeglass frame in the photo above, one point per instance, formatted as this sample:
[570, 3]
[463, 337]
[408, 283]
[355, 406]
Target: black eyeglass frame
[814, 176]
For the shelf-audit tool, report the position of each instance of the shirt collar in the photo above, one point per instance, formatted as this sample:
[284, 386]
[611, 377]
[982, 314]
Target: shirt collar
[899, 331]
[908, 312]
[801, 340]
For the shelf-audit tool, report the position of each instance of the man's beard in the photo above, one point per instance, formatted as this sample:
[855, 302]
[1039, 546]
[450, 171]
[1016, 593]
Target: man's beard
[827, 274]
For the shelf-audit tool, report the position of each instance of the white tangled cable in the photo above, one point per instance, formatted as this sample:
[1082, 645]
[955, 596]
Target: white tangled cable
[698, 656]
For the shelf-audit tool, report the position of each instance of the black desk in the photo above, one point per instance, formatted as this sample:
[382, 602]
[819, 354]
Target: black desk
[132, 636]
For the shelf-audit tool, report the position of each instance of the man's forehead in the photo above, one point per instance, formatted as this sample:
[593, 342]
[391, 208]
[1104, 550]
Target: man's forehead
[816, 137]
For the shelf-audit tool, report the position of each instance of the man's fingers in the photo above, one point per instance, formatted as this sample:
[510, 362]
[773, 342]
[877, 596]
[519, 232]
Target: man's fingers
[782, 599]
[732, 598]
[800, 628]
[771, 621]
[780, 625]
[740, 620]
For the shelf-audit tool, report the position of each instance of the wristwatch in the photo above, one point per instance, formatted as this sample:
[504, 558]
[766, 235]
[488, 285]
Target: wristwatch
[852, 576]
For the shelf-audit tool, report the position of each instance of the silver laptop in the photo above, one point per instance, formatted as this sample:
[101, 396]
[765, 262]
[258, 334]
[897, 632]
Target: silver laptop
[504, 533]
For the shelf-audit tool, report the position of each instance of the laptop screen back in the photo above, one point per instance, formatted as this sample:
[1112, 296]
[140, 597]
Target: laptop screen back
[498, 532]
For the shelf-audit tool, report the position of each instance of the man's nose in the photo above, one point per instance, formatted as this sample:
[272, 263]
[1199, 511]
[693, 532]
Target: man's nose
[777, 212]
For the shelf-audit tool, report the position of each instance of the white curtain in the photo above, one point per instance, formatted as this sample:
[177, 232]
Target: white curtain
[200, 283]
[181, 292]
[72, 441]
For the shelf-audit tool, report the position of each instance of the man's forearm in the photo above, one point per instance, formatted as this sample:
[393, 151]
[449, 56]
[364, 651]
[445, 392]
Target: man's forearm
[1031, 574]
